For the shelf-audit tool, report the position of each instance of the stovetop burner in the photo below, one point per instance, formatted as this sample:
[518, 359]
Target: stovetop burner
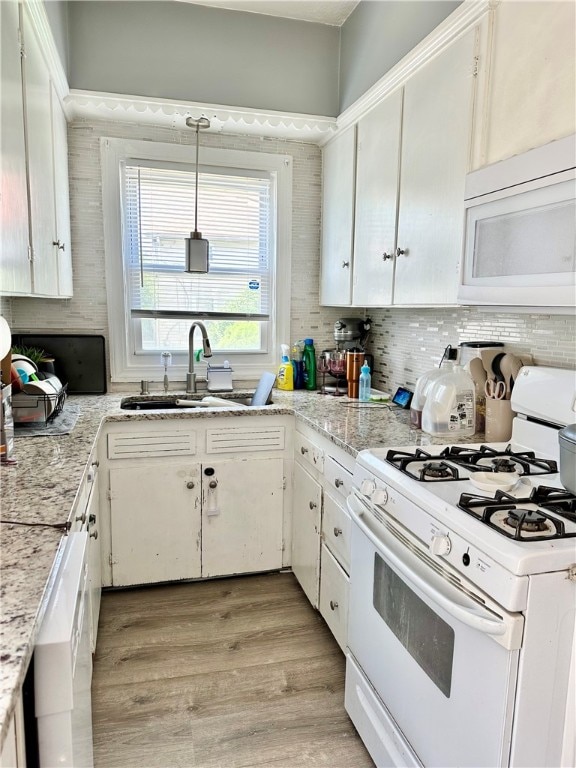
[423, 466]
[533, 518]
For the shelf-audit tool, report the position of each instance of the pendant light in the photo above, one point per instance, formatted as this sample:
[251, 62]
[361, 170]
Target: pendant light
[196, 245]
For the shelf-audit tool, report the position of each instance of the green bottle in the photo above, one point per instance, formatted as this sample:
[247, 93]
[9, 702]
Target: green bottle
[309, 364]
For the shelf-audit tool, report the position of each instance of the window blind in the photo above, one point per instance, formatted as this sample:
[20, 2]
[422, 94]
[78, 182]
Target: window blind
[234, 215]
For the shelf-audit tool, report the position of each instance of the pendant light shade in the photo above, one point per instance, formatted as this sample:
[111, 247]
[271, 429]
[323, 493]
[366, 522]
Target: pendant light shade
[196, 245]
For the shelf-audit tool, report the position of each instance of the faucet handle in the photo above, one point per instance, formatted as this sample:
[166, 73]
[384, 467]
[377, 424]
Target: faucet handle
[144, 387]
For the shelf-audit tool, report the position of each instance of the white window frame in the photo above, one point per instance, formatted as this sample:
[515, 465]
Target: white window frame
[125, 366]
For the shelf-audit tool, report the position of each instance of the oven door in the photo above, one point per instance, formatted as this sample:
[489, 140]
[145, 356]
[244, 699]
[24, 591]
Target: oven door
[441, 656]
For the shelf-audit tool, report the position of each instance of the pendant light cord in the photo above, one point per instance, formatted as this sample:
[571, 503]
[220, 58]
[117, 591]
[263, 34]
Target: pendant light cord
[196, 190]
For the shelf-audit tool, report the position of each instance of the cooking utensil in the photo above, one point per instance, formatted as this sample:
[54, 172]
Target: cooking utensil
[496, 367]
[478, 373]
[507, 366]
[487, 356]
[496, 390]
[516, 365]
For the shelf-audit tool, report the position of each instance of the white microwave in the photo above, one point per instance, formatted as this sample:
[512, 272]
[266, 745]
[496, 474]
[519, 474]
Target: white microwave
[520, 230]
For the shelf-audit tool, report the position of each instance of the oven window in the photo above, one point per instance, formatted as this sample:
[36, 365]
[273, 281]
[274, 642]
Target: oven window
[426, 637]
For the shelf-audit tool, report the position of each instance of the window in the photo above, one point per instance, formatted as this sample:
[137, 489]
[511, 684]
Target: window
[244, 208]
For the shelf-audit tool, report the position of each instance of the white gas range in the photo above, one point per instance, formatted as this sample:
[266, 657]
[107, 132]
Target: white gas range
[461, 626]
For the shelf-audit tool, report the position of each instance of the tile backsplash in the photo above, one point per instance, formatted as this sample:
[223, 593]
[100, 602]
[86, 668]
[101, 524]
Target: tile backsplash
[405, 342]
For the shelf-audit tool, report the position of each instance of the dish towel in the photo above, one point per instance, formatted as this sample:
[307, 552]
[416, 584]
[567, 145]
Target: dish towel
[62, 424]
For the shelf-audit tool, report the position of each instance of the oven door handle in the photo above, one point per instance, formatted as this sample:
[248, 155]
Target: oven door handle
[473, 617]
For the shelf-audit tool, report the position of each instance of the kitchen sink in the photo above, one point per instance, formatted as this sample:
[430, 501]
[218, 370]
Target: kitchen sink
[147, 403]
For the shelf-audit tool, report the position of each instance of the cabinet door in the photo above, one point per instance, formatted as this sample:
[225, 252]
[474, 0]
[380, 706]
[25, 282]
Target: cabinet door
[306, 519]
[15, 272]
[377, 177]
[61, 197]
[94, 562]
[155, 523]
[435, 152]
[38, 120]
[334, 589]
[242, 513]
[338, 170]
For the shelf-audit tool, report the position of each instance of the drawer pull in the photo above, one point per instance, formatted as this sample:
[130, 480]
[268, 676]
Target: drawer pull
[91, 519]
[190, 484]
[333, 605]
[337, 531]
[94, 535]
[81, 518]
[303, 450]
[313, 505]
[338, 482]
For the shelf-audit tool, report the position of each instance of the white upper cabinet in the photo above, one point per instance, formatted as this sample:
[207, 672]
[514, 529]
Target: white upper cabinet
[15, 271]
[377, 178]
[61, 197]
[412, 157]
[38, 114]
[338, 169]
[531, 80]
[36, 257]
[436, 133]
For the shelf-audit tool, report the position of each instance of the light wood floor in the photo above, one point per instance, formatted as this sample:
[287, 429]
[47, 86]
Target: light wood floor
[220, 674]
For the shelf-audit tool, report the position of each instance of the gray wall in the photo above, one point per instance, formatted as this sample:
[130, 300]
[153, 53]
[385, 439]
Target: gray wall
[378, 34]
[183, 51]
[57, 12]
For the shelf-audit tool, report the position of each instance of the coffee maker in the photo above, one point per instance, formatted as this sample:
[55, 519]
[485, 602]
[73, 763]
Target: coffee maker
[351, 335]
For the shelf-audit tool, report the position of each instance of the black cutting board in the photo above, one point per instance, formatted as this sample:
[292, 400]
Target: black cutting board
[80, 360]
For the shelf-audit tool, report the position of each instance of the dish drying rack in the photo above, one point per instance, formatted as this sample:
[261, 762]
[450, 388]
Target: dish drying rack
[34, 410]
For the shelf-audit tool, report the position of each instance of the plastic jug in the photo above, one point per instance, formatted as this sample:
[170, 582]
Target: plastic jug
[425, 382]
[309, 364]
[450, 407]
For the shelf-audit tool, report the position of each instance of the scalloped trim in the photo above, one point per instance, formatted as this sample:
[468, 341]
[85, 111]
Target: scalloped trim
[106, 106]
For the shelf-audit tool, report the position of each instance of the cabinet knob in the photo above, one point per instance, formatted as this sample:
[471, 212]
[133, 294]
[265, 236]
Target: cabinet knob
[345, 264]
[400, 252]
[333, 605]
[96, 463]
[212, 483]
[81, 518]
[337, 531]
[190, 484]
[61, 246]
[94, 535]
[387, 256]
[338, 482]
[313, 505]
[303, 450]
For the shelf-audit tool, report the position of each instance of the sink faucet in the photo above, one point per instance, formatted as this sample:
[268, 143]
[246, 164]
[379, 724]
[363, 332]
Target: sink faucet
[206, 349]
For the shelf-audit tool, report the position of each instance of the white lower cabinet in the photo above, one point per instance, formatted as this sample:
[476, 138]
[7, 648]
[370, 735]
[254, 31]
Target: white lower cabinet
[334, 588]
[94, 562]
[195, 502]
[306, 523]
[242, 516]
[323, 476]
[155, 522]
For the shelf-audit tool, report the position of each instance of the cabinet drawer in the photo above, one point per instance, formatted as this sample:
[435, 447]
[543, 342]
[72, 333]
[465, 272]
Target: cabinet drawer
[338, 478]
[308, 453]
[334, 587]
[336, 530]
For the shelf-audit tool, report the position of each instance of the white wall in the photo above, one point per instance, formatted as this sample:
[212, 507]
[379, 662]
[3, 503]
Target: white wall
[182, 51]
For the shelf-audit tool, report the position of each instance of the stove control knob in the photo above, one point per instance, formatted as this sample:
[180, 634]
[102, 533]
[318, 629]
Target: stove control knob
[379, 497]
[440, 545]
[367, 487]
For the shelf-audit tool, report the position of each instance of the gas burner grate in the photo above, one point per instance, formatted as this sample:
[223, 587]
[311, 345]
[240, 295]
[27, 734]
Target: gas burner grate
[522, 521]
[434, 470]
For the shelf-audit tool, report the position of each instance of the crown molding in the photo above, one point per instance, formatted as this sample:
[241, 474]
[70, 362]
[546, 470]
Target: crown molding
[166, 112]
[37, 14]
[460, 21]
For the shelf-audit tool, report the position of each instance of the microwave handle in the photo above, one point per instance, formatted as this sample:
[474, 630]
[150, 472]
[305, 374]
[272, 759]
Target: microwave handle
[486, 625]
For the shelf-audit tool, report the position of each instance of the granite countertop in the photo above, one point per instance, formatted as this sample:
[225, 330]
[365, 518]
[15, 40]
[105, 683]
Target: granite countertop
[42, 486]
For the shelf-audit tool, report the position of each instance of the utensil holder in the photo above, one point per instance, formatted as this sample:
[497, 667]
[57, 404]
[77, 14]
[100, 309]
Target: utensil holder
[499, 415]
